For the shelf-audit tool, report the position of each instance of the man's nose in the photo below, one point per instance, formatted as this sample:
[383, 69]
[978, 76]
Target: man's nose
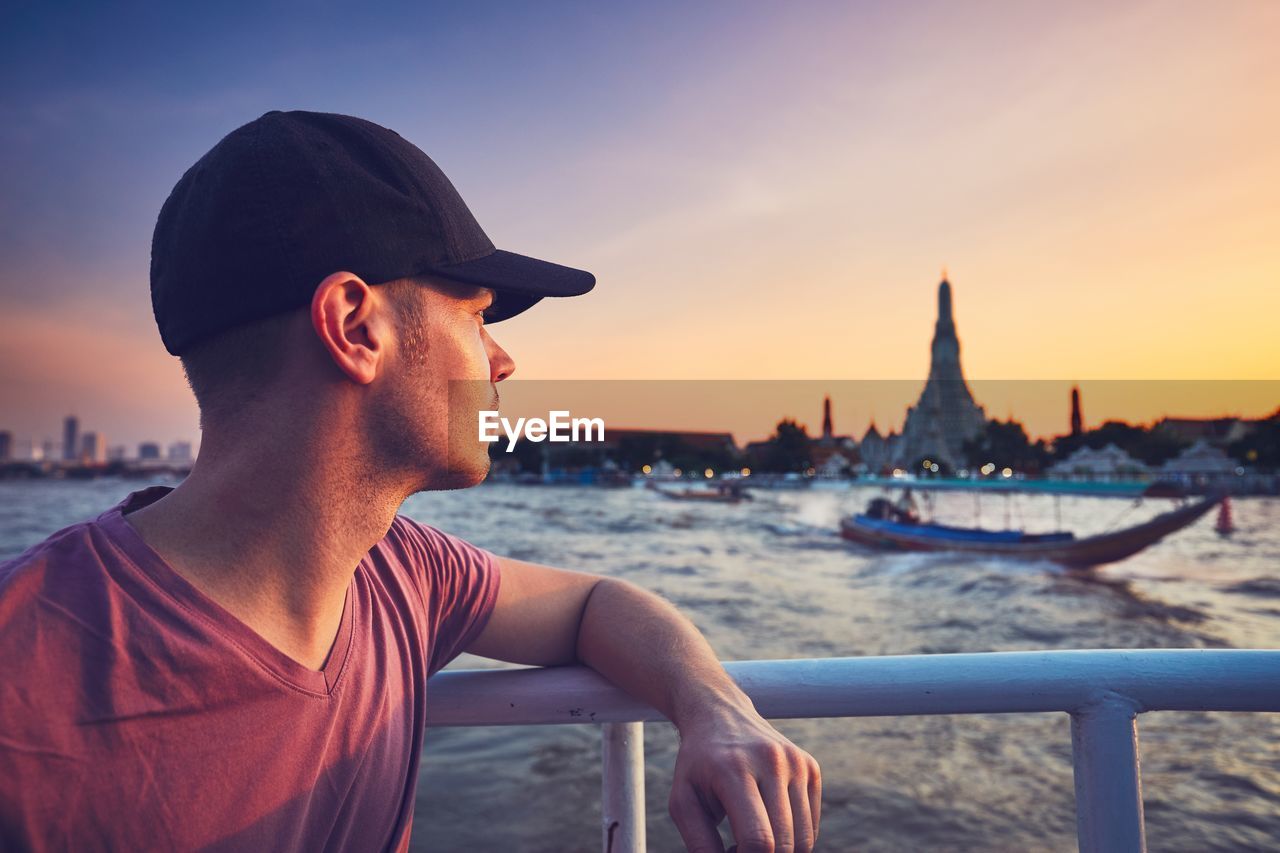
[501, 365]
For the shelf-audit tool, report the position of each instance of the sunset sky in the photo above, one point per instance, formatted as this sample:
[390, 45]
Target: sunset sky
[763, 190]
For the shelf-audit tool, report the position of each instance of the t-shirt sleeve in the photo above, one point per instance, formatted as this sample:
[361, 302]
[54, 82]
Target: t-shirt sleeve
[459, 585]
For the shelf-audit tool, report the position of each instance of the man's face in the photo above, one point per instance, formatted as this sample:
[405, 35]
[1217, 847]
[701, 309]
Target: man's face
[442, 370]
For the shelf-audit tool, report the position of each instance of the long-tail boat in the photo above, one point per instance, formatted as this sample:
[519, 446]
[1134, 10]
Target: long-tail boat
[884, 528]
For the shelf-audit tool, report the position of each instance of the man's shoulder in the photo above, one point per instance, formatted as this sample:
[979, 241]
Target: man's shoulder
[56, 610]
[428, 555]
[457, 581]
[71, 551]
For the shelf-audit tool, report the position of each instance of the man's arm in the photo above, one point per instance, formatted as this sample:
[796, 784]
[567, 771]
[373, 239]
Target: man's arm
[730, 760]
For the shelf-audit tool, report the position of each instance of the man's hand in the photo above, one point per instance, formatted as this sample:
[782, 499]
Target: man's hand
[736, 764]
[731, 762]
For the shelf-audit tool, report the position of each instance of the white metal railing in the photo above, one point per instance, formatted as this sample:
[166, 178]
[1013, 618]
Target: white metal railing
[1102, 690]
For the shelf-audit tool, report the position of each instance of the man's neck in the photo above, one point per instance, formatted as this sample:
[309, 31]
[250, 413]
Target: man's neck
[272, 538]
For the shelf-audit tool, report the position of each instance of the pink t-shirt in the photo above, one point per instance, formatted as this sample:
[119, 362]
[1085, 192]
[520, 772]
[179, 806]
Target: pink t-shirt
[138, 714]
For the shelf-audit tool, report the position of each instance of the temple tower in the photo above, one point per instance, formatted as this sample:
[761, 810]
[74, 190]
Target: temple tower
[946, 415]
[1077, 421]
[827, 430]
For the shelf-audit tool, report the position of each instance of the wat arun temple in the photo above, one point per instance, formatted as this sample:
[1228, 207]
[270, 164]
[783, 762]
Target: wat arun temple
[944, 417]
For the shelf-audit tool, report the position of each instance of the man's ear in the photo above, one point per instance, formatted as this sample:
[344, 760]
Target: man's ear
[351, 323]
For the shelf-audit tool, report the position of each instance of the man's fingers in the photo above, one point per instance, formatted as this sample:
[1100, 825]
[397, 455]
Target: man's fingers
[776, 794]
[801, 815]
[815, 797]
[770, 790]
[748, 817]
[696, 826]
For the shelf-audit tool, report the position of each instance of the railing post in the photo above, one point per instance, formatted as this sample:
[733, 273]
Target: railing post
[1104, 745]
[622, 802]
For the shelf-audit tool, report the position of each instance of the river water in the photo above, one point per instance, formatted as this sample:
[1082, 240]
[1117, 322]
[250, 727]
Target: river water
[771, 579]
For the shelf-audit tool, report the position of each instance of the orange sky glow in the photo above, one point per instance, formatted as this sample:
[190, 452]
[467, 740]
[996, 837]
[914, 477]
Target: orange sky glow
[1099, 179]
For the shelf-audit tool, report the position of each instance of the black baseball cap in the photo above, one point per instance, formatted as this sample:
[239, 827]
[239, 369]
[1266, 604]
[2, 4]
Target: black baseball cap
[258, 222]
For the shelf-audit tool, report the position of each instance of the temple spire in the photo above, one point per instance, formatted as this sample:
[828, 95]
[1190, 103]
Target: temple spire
[946, 346]
[944, 301]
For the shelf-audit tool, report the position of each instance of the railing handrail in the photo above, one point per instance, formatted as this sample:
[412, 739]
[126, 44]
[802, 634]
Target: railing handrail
[898, 685]
[1102, 689]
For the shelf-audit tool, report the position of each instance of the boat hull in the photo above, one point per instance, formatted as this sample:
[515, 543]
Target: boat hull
[1074, 553]
[703, 496]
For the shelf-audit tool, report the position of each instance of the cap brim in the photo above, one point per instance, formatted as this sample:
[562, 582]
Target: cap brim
[518, 281]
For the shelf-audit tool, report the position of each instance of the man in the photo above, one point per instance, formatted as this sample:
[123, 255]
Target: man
[241, 662]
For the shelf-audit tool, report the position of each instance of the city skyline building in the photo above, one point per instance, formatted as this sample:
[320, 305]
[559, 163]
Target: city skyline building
[27, 450]
[180, 453]
[93, 448]
[70, 438]
[79, 446]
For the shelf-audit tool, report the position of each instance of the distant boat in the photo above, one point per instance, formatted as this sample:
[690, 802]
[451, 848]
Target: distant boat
[881, 527]
[726, 493]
